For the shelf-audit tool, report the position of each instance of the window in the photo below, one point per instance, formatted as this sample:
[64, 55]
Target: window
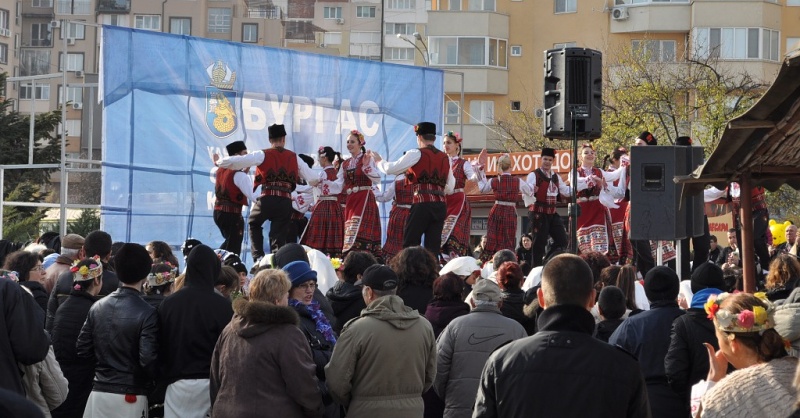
[365, 11]
[793, 2]
[332, 38]
[454, 5]
[451, 50]
[655, 50]
[74, 7]
[516, 50]
[73, 31]
[149, 22]
[250, 32]
[516, 105]
[481, 111]
[4, 19]
[482, 5]
[74, 62]
[399, 54]
[40, 34]
[737, 43]
[3, 54]
[792, 44]
[74, 94]
[332, 12]
[219, 20]
[73, 127]
[34, 62]
[452, 113]
[26, 91]
[566, 6]
[180, 25]
[401, 28]
[42, 3]
[401, 4]
[365, 44]
[565, 45]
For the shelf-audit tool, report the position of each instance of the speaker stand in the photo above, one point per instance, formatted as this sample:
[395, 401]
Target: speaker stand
[574, 209]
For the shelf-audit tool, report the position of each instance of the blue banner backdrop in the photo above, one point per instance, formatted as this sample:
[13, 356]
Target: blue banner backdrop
[171, 102]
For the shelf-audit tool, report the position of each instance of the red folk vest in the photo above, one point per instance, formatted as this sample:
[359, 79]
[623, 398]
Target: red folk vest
[278, 174]
[545, 203]
[429, 175]
[229, 197]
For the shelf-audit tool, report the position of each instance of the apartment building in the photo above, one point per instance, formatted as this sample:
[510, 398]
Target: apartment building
[499, 44]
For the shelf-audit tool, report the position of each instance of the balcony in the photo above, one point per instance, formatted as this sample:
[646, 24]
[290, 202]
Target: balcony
[651, 17]
[478, 81]
[114, 6]
[74, 7]
[263, 12]
[476, 136]
[447, 23]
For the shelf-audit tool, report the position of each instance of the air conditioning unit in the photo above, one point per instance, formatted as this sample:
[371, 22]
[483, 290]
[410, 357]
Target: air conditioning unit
[55, 24]
[79, 74]
[5, 32]
[70, 41]
[340, 21]
[77, 106]
[619, 13]
[322, 45]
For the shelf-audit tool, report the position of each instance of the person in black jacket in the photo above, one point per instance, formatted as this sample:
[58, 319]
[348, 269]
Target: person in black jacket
[120, 335]
[22, 337]
[96, 244]
[31, 274]
[686, 362]
[345, 298]
[562, 371]
[416, 269]
[611, 306]
[191, 321]
[67, 325]
[509, 277]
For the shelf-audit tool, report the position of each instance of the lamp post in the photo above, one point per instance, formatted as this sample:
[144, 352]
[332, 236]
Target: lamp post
[421, 52]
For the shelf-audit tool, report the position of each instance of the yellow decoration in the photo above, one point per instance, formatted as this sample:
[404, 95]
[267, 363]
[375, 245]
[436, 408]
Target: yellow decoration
[760, 315]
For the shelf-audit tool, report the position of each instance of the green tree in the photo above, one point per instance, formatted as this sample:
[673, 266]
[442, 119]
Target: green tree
[87, 222]
[25, 185]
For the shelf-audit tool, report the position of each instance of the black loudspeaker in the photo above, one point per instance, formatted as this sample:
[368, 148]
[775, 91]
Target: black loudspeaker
[657, 212]
[573, 93]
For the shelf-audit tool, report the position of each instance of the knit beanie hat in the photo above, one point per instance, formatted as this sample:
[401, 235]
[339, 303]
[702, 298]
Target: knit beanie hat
[288, 253]
[299, 272]
[612, 302]
[661, 284]
[707, 275]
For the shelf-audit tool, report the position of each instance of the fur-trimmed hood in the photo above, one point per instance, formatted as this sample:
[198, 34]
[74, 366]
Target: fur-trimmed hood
[252, 318]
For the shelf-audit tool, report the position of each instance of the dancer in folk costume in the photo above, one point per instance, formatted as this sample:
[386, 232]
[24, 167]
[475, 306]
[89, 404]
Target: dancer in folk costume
[324, 231]
[403, 196]
[502, 225]
[457, 224]
[594, 222]
[619, 158]
[232, 190]
[302, 200]
[428, 171]
[362, 227]
[544, 221]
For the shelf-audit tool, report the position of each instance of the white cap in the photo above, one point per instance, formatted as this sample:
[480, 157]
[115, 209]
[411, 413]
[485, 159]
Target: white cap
[461, 266]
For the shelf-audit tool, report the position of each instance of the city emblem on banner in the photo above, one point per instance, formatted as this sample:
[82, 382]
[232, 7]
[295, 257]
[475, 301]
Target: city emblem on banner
[221, 100]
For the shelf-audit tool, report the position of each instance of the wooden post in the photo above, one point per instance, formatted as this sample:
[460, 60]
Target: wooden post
[746, 217]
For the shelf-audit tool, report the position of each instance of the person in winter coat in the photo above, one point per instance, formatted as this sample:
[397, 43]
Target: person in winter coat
[445, 307]
[45, 384]
[345, 298]
[647, 336]
[120, 335]
[191, 321]
[315, 325]
[686, 362]
[416, 269]
[97, 244]
[296, 252]
[509, 277]
[787, 322]
[611, 308]
[31, 274]
[67, 325]
[262, 362]
[385, 359]
[22, 339]
[465, 345]
[562, 371]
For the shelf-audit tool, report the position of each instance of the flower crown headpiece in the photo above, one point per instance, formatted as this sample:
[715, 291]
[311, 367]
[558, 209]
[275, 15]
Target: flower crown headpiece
[336, 263]
[84, 272]
[358, 135]
[587, 145]
[163, 277]
[757, 320]
[455, 136]
[10, 275]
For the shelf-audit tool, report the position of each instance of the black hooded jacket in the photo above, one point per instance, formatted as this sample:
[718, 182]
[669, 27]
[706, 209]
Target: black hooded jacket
[192, 319]
[347, 303]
